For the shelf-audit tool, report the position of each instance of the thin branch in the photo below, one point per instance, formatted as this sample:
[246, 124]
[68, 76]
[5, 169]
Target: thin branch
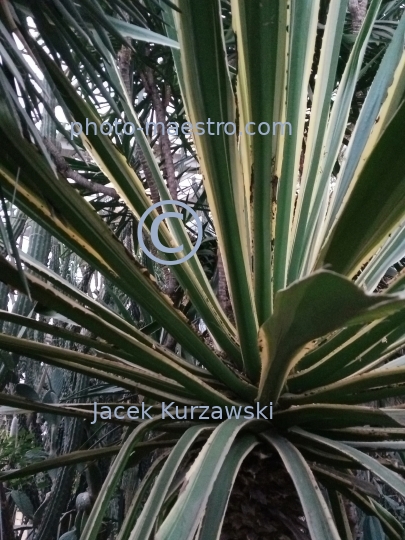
[124, 60]
[159, 105]
[67, 172]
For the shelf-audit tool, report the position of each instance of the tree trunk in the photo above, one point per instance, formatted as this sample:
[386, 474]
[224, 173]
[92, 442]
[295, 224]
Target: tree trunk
[358, 10]
[264, 504]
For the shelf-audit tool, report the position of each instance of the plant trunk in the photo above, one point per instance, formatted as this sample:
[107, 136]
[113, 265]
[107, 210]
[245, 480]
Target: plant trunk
[264, 504]
[358, 10]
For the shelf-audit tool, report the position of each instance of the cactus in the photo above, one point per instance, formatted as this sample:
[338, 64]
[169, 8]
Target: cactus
[62, 485]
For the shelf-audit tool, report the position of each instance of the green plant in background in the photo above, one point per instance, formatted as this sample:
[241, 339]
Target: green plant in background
[307, 225]
[14, 448]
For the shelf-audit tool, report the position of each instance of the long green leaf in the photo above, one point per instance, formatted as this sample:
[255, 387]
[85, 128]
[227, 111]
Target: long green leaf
[217, 503]
[358, 351]
[390, 253]
[368, 115]
[141, 34]
[112, 163]
[303, 14]
[63, 286]
[94, 322]
[336, 129]
[131, 277]
[146, 521]
[321, 104]
[110, 364]
[306, 310]
[91, 530]
[356, 389]
[208, 97]
[367, 505]
[374, 213]
[332, 416]
[136, 502]
[260, 32]
[186, 514]
[340, 515]
[147, 357]
[317, 514]
[25, 405]
[389, 477]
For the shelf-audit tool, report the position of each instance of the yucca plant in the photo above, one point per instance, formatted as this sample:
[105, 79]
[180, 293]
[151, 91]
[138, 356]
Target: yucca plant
[307, 224]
